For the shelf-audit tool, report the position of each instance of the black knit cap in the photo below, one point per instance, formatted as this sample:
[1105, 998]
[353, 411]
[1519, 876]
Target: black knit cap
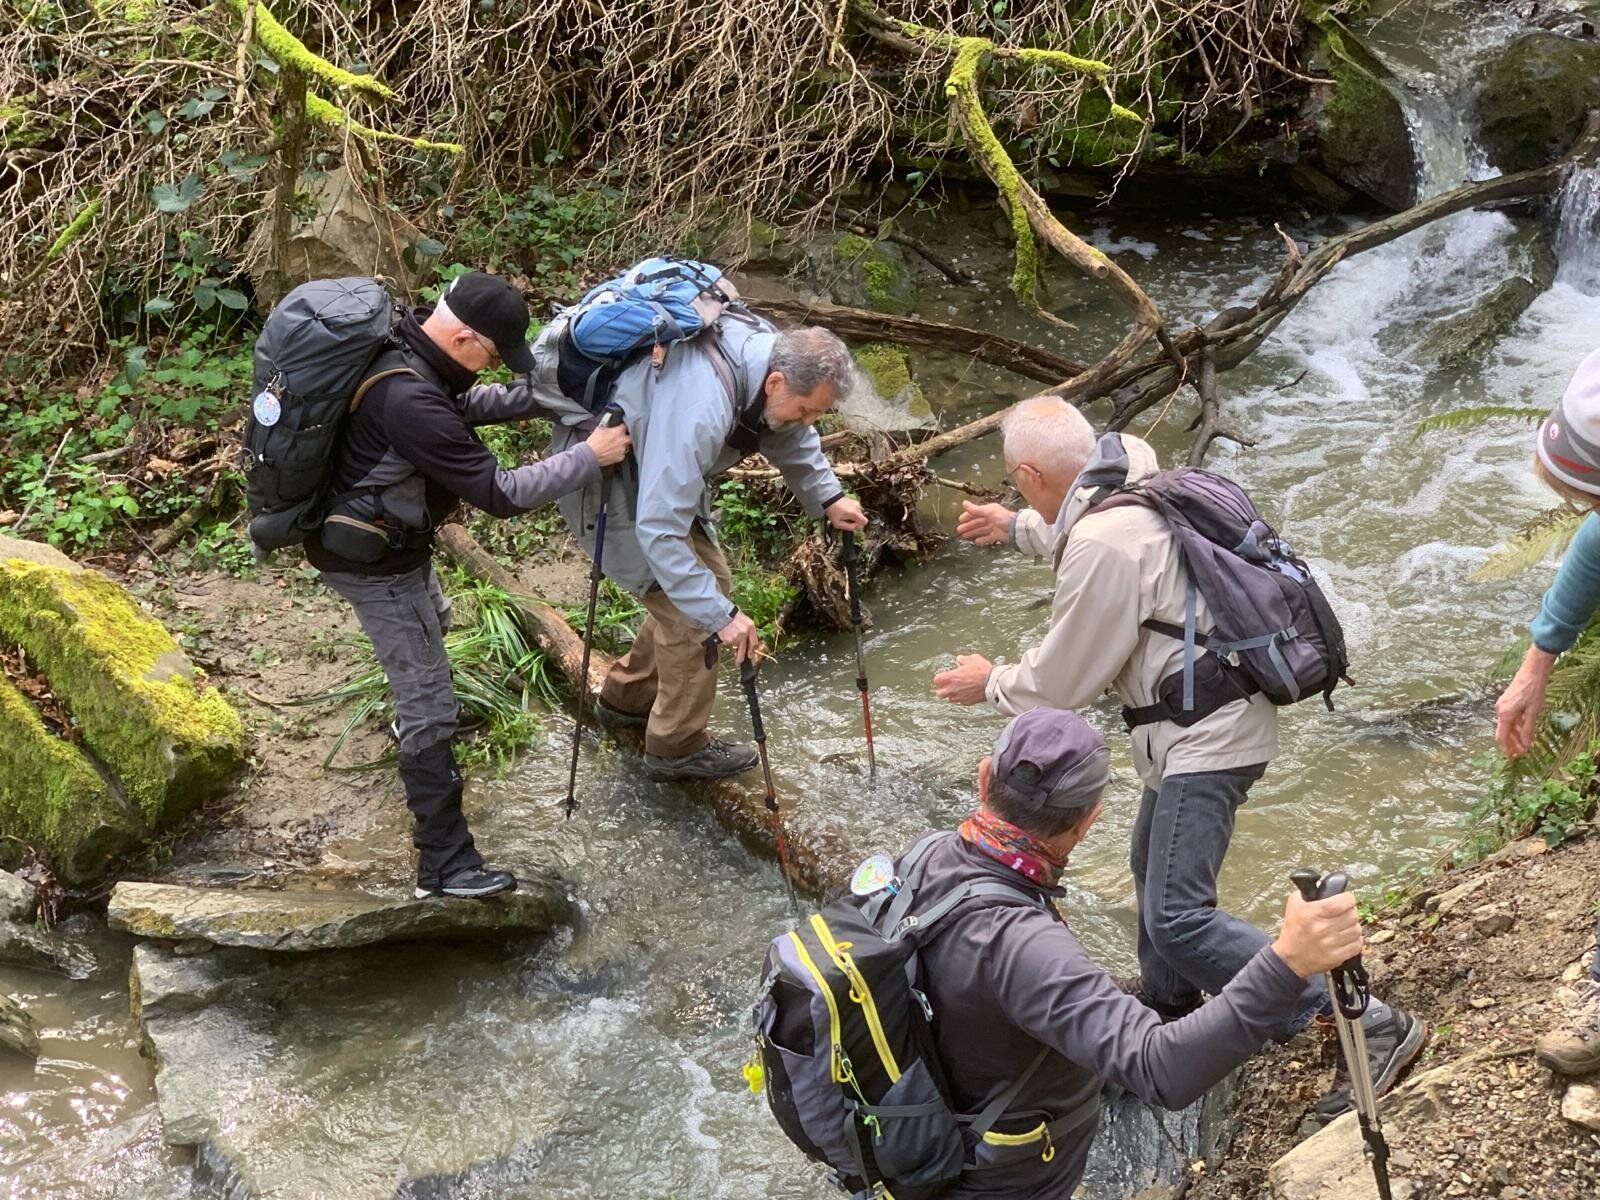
[490, 306]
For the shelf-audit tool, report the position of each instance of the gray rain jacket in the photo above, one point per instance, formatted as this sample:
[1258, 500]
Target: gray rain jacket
[680, 417]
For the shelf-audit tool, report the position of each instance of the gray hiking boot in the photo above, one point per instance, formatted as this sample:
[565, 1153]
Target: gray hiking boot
[615, 718]
[1573, 1047]
[1394, 1039]
[714, 760]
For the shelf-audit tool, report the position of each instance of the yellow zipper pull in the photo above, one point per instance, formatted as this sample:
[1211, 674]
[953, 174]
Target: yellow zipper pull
[1049, 1151]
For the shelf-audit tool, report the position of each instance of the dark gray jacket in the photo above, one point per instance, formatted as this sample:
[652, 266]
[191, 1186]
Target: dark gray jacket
[1008, 979]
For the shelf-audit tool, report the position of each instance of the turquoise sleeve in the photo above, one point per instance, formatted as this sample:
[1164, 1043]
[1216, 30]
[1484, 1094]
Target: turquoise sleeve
[1574, 596]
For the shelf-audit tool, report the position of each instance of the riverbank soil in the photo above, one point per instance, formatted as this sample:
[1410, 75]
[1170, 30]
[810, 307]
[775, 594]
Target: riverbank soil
[268, 641]
[1481, 955]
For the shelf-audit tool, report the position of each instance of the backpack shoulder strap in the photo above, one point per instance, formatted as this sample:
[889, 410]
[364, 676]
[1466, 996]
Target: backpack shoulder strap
[367, 384]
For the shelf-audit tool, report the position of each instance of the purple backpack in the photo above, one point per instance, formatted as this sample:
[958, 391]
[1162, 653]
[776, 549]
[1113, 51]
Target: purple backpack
[1273, 630]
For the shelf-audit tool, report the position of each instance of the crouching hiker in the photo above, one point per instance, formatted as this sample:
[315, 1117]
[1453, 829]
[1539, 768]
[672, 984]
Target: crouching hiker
[982, 1077]
[1567, 460]
[1199, 702]
[405, 454]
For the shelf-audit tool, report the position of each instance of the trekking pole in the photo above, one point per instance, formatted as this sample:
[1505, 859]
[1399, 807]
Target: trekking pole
[852, 575]
[612, 415]
[747, 676]
[1347, 988]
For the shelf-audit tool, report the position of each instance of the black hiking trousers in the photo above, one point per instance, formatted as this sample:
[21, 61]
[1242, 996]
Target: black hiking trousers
[406, 616]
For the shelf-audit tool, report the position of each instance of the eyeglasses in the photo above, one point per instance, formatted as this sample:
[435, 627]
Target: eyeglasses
[486, 345]
[1009, 479]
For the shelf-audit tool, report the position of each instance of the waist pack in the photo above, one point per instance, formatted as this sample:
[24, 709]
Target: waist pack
[845, 1046]
[654, 303]
[1273, 630]
[313, 363]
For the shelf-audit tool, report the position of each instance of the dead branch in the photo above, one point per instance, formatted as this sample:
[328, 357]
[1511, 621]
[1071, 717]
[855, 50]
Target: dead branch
[1012, 354]
[819, 858]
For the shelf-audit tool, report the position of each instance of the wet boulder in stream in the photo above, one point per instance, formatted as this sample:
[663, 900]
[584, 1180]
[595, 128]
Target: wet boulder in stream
[16, 1029]
[1535, 97]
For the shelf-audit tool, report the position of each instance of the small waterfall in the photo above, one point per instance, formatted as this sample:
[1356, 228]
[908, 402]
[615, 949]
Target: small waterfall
[1578, 230]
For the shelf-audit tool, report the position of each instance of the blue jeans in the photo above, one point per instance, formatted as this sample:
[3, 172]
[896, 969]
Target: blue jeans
[1187, 945]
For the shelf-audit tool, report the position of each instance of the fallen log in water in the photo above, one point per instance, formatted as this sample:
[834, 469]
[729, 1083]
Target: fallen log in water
[819, 860]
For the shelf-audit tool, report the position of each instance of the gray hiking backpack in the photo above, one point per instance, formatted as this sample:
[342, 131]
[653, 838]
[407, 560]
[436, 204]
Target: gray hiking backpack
[312, 364]
[845, 1047]
[1273, 630]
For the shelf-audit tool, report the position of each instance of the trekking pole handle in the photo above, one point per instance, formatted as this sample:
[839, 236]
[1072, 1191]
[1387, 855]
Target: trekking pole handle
[1348, 981]
[747, 676]
[611, 416]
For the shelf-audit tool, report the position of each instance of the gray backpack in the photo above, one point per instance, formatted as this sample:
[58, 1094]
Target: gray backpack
[845, 1047]
[312, 364]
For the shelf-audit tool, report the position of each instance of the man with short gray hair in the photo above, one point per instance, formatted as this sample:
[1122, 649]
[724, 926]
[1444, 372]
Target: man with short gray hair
[739, 388]
[1119, 576]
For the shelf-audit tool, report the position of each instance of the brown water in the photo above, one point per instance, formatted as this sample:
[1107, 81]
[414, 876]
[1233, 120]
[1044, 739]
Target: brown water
[607, 1064]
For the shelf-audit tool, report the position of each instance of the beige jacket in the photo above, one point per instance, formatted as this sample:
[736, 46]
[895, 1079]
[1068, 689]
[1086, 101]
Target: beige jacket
[1115, 569]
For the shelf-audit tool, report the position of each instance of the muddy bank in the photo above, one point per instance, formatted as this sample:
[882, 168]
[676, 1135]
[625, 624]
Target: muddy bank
[1480, 955]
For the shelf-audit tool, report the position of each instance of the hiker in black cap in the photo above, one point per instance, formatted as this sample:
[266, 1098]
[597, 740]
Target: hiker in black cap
[1008, 980]
[409, 456]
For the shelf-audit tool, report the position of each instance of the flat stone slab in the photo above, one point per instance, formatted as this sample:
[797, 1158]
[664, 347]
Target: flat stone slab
[308, 920]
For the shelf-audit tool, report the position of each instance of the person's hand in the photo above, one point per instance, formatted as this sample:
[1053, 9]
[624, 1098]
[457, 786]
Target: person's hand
[741, 634]
[985, 524]
[965, 682]
[1516, 713]
[1318, 935]
[610, 443]
[846, 513]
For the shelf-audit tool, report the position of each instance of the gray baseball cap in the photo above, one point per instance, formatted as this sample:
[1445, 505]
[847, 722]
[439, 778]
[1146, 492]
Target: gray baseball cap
[1052, 758]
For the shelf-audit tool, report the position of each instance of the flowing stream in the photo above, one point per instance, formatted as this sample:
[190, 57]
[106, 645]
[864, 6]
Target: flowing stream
[606, 1064]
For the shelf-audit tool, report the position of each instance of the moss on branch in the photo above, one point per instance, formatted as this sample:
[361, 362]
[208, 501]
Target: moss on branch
[325, 112]
[74, 229]
[289, 50]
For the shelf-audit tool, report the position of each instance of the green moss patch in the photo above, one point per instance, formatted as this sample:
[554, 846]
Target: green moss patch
[53, 800]
[889, 368]
[152, 719]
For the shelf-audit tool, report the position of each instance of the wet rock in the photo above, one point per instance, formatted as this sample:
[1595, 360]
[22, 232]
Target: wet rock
[893, 402]
[1462, 340]
[1581, 1106]
[345, 236]
[1363, 136]
[1331, 1164]
[46, 950]
[165, 739]
[16, 898]
[1534, 98]
[16, 1029]
[1318, 189]
[857, 271]
[305, 920]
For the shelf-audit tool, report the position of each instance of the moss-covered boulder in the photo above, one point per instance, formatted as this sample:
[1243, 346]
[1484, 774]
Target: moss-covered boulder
[148, 740]
[1364, 140]
[1534, 98]
[869, 274]
[893, 403]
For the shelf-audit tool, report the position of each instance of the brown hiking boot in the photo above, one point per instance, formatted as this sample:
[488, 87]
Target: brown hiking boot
[1573, 1047]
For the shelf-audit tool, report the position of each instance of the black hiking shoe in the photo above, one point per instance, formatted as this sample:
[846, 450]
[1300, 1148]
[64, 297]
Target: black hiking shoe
[1133, 985]
[615, 718]
[714, 760]
[1394, 1040]
[471, 883]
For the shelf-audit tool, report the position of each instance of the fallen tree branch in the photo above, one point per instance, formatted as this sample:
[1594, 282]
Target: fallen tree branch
[1012, 354]
[819, 858]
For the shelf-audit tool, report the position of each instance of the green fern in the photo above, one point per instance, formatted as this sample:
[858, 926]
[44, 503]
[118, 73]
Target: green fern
[1466, 418]
[1546, 534]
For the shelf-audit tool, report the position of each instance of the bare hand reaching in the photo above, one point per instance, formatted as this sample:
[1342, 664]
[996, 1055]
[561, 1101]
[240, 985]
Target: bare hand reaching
[1516, 713]
[985, 524]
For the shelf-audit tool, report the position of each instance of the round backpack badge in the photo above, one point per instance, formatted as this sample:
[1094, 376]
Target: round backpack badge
[873, 875]
[267, 408]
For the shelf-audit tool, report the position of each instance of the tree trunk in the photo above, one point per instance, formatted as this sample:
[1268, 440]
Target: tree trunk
[291, 151]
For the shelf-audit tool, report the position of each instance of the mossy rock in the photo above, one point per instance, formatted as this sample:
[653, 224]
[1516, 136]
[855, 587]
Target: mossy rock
[53, 800]
[1534, 99]
[869, 274]
[167, 738]
[1364, 139]
[1462, 341]
[895, 403]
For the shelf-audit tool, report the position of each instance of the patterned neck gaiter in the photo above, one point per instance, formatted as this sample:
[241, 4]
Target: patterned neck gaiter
[1016, 848]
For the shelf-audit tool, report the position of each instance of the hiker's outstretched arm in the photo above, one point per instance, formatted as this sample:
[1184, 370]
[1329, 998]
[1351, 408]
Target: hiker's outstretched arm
[797, 452]
[1094, 628]
[1574, 595]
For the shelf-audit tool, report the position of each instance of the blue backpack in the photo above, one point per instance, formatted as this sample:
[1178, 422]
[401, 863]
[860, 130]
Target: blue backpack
[650, 306]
